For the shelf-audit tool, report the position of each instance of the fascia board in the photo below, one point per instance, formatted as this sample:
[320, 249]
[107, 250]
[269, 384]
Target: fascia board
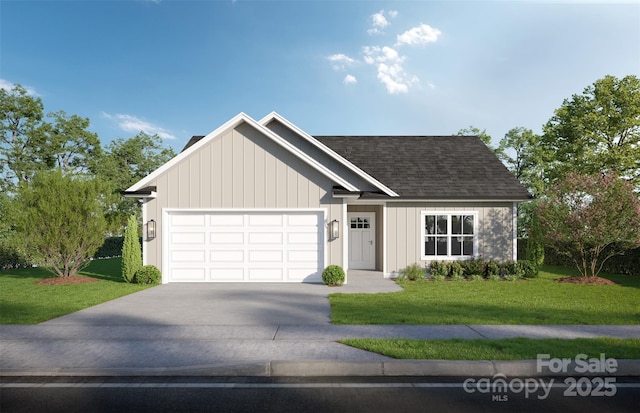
[274, 115]
[230, 124]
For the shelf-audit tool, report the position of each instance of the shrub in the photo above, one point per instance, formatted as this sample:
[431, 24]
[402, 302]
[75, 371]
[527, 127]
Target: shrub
[529, 269]
[512, 271]
[413, 272]
[476, 277]
[492, 270]
[493, 277]
[439, 270]
[457, 272]
[131, 255]
[148, 274]
[473, 267]
[333, 276]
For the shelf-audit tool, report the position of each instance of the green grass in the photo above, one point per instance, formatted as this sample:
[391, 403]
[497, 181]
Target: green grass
[534, 301]
[503, 349]
[22, 301]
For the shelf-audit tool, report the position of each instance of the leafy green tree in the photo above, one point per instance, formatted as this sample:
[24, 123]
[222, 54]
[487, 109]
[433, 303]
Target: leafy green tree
[589, 218]
[520, 152]
[473, 131]
[21, 136]
[131, 253]
[123, 163]
[69, 145]
[59, 220]
[597, 131]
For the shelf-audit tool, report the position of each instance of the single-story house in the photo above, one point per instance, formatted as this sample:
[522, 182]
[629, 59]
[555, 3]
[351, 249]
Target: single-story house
[264, 201]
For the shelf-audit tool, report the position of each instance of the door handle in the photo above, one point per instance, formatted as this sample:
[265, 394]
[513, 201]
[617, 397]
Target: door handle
[370, 242]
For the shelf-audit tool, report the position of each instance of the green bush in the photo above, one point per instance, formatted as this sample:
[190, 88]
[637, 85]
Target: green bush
[476, 277]
[148, 274]
[439, 270]
[529, 269]
[494, 277]
[413, 272]
[473, 267]
[456, 270]
[131, 250]
[333, 276]
[512, 271]
[492, 270]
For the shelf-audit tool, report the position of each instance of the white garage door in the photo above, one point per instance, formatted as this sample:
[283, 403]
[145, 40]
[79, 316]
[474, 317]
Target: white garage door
[245, 246]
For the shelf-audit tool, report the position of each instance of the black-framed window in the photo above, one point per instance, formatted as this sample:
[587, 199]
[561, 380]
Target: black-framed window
[448, 234]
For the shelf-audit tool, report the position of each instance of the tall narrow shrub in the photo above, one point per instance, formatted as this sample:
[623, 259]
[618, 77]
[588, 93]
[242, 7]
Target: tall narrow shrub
[131, 252]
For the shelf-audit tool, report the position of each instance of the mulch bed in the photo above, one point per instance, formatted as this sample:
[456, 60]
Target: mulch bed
[76, 279]
[586, 280]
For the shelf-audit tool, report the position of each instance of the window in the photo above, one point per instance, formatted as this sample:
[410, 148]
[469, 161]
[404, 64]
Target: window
[359, 223]
[448, 234]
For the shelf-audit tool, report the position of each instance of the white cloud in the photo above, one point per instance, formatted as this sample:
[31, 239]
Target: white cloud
[422, 34]
[349, 80]
[6, 85]
[340, 61]
[133, 124]
[379, 21]
[389, 66]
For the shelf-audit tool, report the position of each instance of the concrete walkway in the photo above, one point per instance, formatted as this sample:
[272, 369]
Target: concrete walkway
[255, 330]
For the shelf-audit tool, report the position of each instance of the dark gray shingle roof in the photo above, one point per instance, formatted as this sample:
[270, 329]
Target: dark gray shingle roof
[431, 167]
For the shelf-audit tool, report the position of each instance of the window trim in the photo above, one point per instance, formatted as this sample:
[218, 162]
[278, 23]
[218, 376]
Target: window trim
[449, 214]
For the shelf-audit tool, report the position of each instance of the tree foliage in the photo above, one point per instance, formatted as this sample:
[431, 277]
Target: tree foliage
[590, 218]
[70, 146]
[60, 220]
[597, 131]
[21, 136]
[131, 253]
[520, 152]
[473, 131]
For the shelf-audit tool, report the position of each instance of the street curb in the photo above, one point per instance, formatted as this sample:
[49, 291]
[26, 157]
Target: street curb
[332, 368]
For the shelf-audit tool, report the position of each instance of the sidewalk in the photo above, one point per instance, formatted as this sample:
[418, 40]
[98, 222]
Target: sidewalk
[277, 350]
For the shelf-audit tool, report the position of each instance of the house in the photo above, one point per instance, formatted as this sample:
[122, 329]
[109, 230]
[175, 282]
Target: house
[263, 201]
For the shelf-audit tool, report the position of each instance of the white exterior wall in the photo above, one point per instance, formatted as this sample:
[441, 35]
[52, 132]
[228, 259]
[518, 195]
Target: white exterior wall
[242, 169]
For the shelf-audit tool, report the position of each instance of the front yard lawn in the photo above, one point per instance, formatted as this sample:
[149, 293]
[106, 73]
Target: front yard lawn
[22, 301]
[503, 349]
[534, 301]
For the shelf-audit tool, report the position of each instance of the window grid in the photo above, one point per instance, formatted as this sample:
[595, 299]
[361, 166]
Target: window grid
[448, 234]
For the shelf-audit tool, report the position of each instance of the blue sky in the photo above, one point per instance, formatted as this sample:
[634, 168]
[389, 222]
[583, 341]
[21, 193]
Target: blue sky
[182, 68]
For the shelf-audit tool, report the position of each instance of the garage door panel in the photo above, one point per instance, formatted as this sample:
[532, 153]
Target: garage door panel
[187, 274]
[272, 238]
[226, 274]
[266, 274]
[196, 256]
[234, 256]
[270, 246]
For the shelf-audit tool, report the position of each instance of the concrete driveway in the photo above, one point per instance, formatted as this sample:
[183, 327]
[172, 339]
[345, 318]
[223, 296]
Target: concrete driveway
[211, 304]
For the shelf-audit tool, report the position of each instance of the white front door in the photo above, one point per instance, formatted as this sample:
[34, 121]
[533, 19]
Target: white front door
[362, 240]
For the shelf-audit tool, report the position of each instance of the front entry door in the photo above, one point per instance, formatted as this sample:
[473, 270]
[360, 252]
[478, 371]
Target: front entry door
[362, 240]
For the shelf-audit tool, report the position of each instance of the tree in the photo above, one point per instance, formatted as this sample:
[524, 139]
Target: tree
[590, 218]
[21, 136]
[123, 163]
[519, 151]
[597, 131]
[131, 255]
[59, 220]
[69, 145]
[473, 131]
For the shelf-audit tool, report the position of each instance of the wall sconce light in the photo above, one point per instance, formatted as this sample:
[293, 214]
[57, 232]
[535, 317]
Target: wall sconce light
[151, 229]
[334, 229]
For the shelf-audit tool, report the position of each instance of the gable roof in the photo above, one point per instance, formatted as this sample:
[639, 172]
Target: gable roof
[431, 167]
[233, 123]
[273, 116]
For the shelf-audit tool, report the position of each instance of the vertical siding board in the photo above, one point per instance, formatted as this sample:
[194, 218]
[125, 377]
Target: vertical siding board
[226, 170]
[249, 183]
[195, 175]
[259, 177]
[292, 187]
[303, 192]
[392, 240]
[281, 184]
[183, 182]
[271, 185]
[237, 156]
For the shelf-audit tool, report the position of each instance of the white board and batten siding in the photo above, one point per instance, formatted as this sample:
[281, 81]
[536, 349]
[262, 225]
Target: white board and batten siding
[244, 246]
[245, 199]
